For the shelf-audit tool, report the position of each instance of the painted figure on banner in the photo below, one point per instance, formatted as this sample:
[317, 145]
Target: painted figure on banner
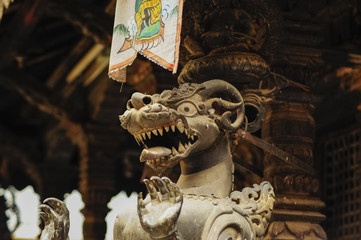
[150, 27]
[149, 24]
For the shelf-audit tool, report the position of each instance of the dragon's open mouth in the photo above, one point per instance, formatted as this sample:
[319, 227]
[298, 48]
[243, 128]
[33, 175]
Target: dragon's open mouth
[164, 142]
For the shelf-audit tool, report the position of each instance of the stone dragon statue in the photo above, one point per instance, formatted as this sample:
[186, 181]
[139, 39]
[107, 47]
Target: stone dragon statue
[191, 126]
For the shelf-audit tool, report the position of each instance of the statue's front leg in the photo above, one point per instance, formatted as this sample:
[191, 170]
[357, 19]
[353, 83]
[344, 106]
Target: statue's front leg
[55, 216]
[159, 216]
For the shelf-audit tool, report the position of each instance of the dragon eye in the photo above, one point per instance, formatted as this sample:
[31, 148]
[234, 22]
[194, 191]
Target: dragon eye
[187, 109]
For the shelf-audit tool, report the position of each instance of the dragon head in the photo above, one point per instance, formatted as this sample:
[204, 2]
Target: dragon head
[182, 122]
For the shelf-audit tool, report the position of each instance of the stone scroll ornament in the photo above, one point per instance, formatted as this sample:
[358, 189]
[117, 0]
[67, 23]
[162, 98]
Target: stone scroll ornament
[191, 126]
[149, 27]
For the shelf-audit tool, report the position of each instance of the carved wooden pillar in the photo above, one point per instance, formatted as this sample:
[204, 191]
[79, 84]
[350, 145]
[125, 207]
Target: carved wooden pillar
[290, 126]
[97, 167]
[96, 186]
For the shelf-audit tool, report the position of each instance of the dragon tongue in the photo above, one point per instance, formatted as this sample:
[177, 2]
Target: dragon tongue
[154, 153]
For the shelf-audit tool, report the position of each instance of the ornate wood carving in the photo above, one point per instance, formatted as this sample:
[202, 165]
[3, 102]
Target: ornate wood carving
[228, 40]
[291, 127]
[244, 42]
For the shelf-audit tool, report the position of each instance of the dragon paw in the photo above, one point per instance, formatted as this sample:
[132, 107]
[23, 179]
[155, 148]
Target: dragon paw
[159, 216]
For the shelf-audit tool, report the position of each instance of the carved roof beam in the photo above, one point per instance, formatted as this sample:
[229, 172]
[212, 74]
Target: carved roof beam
[42, 58]
[69, 61]
[308, 56]
[84, 62]
[23, 23]
[95, 24]
[37, 96]
[92, 21]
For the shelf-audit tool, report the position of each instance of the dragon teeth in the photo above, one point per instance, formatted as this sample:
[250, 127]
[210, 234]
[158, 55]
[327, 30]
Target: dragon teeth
[181, 148]
[180, 126]
[157, 161]
[174, 151]
[159, 130]
[136, 139]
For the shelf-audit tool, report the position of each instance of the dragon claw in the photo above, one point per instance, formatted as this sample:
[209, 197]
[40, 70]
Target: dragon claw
[55, 216]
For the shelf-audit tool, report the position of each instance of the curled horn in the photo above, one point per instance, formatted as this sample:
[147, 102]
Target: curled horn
[255, 110]
[216, 87]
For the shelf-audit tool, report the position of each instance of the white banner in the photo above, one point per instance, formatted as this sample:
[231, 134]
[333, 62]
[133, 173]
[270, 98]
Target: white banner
[150, 27]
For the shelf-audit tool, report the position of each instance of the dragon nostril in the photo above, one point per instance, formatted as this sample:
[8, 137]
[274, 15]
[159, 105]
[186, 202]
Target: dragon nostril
[139, 100]
[147, 100]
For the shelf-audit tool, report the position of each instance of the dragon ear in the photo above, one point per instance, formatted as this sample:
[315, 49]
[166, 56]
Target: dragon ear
[227, 103]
